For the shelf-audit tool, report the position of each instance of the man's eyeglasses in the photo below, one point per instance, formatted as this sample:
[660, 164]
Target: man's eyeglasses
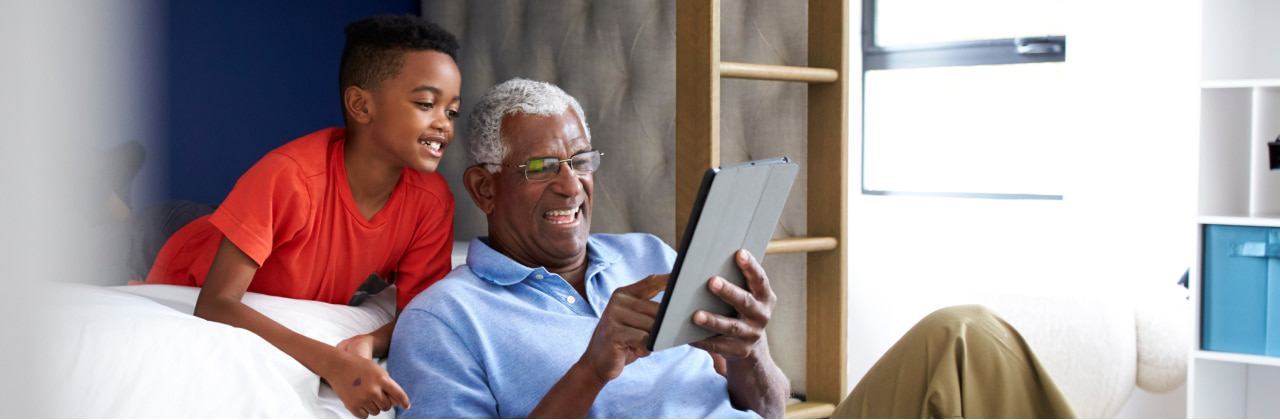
[547, 168]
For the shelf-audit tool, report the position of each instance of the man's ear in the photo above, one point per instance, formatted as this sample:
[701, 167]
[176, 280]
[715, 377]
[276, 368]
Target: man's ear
[480, 185]
[358, 103]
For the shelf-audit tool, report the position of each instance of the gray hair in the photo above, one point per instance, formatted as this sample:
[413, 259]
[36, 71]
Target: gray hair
[515, 96]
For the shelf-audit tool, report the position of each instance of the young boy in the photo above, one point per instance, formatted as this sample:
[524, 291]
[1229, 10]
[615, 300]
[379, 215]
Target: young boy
[316, 217]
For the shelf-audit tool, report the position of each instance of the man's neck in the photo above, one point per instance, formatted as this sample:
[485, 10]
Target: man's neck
[371, 179]
[573, 270]
[576, 276]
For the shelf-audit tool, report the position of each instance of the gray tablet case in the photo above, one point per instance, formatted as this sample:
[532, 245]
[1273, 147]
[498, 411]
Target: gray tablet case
[737, 208]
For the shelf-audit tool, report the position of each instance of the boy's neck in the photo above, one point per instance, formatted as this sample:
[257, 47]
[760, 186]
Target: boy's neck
[371, 178]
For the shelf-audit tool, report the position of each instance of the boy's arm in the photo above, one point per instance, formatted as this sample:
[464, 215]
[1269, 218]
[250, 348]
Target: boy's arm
[374, 344]
[364, 387]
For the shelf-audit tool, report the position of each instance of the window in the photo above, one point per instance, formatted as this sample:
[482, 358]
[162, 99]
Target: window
[962, 99]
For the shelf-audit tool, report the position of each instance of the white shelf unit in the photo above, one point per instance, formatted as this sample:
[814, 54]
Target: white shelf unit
[1239, 115]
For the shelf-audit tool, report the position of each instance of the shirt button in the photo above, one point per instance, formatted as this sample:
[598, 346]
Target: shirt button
[570, 299]
[537, 276]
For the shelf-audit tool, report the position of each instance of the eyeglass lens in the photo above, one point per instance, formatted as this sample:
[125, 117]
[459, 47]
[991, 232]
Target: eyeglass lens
[542, 169]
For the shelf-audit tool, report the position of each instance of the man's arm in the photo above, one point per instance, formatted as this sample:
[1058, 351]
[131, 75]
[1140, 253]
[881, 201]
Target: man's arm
[618, 340]
[755, 381]
[364, 387]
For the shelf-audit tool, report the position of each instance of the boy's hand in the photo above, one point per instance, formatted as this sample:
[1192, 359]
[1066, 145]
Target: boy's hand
[364, 387]
[360, 345]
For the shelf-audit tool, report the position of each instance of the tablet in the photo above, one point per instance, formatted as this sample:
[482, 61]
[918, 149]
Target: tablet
[737, 208]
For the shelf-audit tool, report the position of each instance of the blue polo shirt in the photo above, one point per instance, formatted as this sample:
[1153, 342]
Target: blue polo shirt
[493, 336]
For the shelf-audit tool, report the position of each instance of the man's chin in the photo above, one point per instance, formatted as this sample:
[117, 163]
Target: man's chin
[567, 245]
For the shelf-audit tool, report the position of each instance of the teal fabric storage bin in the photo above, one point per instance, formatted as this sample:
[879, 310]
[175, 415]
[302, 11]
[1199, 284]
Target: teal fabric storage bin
[1241, 289]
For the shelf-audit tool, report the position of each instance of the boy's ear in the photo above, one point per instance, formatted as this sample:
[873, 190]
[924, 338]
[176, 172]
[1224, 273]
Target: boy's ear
[480, 183]
[358, 103]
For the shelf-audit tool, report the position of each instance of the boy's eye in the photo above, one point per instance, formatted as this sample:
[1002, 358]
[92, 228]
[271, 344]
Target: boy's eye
[427, 105]
[451, 113]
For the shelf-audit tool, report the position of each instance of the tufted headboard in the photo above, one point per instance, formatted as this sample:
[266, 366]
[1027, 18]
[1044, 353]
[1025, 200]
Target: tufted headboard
[618, 59]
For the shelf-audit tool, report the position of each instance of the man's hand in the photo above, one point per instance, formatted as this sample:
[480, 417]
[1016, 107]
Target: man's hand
[755, 381]
[618, 340]
[360, 345]
[739, 337]
[621, 336]
[364, 387]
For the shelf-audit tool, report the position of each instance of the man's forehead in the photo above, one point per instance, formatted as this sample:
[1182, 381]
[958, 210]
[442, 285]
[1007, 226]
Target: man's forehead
[532, 133]
[524, 118]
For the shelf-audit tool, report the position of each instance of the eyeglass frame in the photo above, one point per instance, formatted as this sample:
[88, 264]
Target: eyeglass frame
[557, 165]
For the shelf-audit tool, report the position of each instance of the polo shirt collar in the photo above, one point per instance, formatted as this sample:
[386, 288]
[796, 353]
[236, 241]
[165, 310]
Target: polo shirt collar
[496, 268]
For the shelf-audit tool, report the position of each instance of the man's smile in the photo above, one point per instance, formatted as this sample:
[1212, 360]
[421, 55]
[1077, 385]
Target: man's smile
[563, 216]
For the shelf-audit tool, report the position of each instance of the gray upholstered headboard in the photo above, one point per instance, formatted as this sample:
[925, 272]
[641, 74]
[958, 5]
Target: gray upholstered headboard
[618, 59]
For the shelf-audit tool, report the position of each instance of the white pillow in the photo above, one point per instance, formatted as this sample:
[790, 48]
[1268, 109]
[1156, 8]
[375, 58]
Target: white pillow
[136, 351]
[325, 322]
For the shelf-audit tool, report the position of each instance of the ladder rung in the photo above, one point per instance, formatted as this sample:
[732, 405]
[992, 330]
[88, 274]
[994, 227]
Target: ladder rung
[782, 73]
[792, 245]
[810, 410]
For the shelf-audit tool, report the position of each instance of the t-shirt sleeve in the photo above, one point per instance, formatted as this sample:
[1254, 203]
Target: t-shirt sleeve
[438, 372]
[268, 207]
[428, 258]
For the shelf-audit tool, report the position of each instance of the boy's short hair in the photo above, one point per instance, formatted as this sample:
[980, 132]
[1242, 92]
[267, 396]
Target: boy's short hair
[376, 45]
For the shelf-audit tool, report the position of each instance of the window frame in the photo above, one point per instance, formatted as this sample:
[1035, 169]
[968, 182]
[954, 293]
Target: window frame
[946, 54]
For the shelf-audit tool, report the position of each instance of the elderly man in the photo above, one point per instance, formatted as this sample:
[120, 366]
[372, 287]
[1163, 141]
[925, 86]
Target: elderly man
[547, 320]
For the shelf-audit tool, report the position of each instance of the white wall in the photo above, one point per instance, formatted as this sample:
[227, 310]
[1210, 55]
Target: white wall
[1123, 229]
[73, 78]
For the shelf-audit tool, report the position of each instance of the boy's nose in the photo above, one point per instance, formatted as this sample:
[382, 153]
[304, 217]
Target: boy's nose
[442, 122]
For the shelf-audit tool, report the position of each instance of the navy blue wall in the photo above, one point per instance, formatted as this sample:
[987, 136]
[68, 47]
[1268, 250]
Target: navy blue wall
[246, 77]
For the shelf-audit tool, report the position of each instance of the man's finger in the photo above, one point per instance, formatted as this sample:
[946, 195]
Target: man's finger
[648, 287]
[648, 307]
[644, 306]
[634, 320]
[735, 296]
[635, 340]
[757, 280]
[722, 346]
[729, 327]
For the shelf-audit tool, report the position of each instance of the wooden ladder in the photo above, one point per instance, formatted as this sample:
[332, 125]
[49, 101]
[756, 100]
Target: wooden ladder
[698, 74]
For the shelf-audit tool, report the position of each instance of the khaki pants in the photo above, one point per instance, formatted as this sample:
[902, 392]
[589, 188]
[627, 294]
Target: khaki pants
[958, 362]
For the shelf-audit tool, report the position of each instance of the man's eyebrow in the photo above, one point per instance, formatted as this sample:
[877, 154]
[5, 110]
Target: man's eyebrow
[434, 90]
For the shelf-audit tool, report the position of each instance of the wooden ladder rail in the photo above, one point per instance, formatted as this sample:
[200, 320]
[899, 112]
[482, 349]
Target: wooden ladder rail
[698, 74]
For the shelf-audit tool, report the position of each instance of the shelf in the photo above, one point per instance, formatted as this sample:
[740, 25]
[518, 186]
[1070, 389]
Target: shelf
[1266, 220]
[1251, 359]
[1239, 114]
[1240, 83]
[1237, 40]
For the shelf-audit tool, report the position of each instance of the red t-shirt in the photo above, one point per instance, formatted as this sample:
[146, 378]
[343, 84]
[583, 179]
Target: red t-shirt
[293, 213]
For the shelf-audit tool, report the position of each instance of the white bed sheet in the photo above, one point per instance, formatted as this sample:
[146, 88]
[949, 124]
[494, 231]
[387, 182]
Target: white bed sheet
[136, 351]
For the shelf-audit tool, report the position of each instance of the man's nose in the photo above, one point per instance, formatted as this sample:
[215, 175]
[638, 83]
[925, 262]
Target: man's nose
[566, 182]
